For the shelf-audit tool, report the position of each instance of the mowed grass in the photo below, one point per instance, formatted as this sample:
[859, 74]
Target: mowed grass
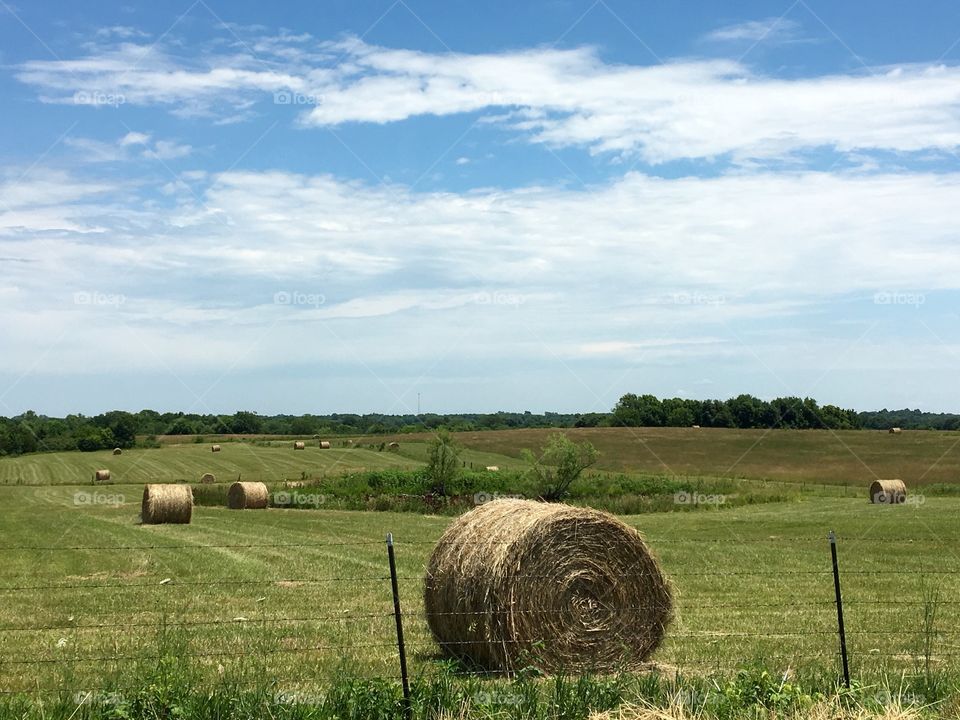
[187, 462]
[303, 596]
[813, 456]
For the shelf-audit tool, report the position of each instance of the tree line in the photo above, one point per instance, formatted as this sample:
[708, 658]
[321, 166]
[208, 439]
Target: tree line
[31, 432]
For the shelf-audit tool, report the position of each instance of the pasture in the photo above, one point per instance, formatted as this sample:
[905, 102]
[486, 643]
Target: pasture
[92, 600]
[842, 457]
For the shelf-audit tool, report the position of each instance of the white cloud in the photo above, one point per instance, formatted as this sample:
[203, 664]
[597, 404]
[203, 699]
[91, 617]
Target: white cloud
[773, 30]
[643, 265]
[682, 109]
[134, 138]
[168, 150]
[130, 146]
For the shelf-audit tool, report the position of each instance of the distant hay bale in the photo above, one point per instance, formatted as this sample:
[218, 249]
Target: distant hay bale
[247, 496]
[896, 430]
[394, 446]
[493, 468]
[696, 427]
[166, 504]
[299, 445]
[324, 445]
[117, 451]
[316, 437]
[214, 448]
[888, 492]
[101, 476]
[514, 583]
[208, 478]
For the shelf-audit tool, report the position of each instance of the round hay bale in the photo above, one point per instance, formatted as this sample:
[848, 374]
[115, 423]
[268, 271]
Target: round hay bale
[214, 448]
[394, 446]
[888, 492]
[117, 451]
[324, 444]
[101, 476]
[493, 468]
[247, 496]
[166, 504]
[208, 478]
[514, 583]
[299, 445]
[896, 431]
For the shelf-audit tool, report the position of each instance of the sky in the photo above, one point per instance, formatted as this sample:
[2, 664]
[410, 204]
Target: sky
[358, 206]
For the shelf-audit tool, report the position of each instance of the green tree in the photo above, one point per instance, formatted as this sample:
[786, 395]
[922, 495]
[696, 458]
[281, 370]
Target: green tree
[246, 423]
[443, 467]
[559, 465]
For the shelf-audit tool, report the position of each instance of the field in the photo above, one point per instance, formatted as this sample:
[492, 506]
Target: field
[92, 600]
[273, 462]
[813, 456]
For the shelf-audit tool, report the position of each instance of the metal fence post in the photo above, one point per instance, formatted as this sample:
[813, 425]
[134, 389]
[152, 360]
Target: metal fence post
[407, 709]
[836, 586]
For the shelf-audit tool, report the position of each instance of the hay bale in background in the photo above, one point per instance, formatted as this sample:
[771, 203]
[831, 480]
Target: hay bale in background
[394, 446]
[208, 478]
[493, 468]
[166, 504]
[117, 451]
[324, 445]
[101, 476]
[896, 431]
[214, 448]
[514, 583]
[299, 445]
[888, 492]
[696, 427]
[247, 496]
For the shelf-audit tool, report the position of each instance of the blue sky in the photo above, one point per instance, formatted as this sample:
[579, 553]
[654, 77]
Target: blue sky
[301, 207]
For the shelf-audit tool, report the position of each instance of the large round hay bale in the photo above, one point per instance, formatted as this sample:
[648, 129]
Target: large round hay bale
[299, 445]
[117, 451]
[247, 496]
[166, 504]
[214, 448]
[101, 476]
[208, 478]
[896, 430]
[515, 583]
[324, 444]
[888, 492]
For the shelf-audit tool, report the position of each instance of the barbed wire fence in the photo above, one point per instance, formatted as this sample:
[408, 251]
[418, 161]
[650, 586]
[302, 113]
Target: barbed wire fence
[718, 626]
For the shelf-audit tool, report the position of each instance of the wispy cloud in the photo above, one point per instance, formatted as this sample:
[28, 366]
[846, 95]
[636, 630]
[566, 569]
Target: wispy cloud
[566, 98]
[772, 31]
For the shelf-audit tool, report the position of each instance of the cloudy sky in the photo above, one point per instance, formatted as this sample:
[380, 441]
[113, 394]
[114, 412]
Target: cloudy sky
[335, 207]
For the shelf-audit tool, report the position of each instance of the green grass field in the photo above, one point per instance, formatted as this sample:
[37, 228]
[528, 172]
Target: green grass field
[303, 596]
[813, 456]
[268, 462]
[301, 600]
